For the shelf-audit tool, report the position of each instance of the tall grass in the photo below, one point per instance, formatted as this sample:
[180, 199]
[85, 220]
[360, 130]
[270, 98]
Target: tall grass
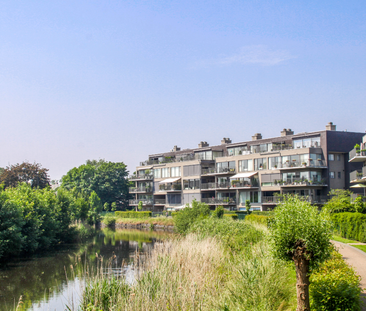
[198, 272]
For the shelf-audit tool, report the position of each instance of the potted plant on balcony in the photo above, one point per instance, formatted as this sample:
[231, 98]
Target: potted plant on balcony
[357, 147]
[303, 164]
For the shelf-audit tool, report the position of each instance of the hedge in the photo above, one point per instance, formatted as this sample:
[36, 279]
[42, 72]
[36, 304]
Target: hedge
[133, 214]
[233, 216]
[350, 225]
[260, 219]
[263, 213]
[335, 286]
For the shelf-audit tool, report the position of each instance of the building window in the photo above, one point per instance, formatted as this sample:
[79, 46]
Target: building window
[339, 175]
[245, 165]
[331, 157]
[260, 164]
[157, 173]
[165, 172]
[338, 157]
[331, 175]
[175, 171]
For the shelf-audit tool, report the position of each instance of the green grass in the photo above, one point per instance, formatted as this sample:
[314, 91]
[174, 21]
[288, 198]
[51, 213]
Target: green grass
[342, 240]
[361, 247]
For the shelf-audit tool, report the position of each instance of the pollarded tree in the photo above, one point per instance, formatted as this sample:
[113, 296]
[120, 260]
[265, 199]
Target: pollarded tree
[32, 174]
[301, 233]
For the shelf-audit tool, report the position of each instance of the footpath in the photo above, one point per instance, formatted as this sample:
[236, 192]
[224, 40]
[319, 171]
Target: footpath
[357, 259]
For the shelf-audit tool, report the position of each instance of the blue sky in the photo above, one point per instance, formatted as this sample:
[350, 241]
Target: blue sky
[123, 79]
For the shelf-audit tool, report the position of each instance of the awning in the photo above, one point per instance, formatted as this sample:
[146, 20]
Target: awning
[169, 180]
[144, 168]
[243, 175]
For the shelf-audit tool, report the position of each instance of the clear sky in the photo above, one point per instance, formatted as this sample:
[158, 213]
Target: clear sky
[123, 79]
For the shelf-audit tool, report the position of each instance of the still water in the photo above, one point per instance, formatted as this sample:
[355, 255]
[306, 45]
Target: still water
[53, 281]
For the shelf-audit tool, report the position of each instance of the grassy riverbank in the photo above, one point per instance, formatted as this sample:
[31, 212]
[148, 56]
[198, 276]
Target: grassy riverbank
[164, 221]
[208, 269]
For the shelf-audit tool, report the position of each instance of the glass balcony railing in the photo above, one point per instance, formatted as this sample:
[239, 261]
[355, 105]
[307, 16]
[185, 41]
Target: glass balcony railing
[140, 189]
[160, 201]
[218, 201]
[140, 177]
[297, 164]
[299, 182]
[221, 170]
[314, 199]
[170, 187]
[144, 202]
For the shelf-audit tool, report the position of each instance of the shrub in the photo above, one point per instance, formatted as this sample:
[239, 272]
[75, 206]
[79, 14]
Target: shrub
[218, 212]
[263, 213]
[133, 214]
[233, 216]
[187, 216]
[109, 220]
[335, 286]
[350, 225]
[173, 214]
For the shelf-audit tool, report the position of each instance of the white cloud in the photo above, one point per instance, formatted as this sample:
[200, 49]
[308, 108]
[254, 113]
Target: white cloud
[252, 54]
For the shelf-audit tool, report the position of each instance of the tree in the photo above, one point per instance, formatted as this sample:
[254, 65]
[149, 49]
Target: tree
[96, 208]
[107, 179]
[247, 206]
[340, 201]
[33, 174]
[300, 233]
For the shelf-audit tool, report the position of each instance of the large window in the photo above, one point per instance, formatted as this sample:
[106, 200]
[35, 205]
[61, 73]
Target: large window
[174, 199]
[191, 184]
[204, 155]
[306, 142]
[175, 171]
[252, 196]
[165, 172]
[191, 170]
[246, 165]
[224, 167]
[157, 173]
[260, 164]
[274, 162]
[237, 150]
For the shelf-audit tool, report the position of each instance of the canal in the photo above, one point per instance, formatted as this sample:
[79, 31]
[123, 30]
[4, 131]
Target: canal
[54, 280]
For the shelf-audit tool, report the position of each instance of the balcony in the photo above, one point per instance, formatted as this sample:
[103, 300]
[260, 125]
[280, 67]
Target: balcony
[160, 202]
[356, 176]
[357, 155]
[170, 187]
[297, 182]
[217, 171]
[219, 201]
[208, 186]
[140, 177]
[144, 202]
[297, 165]
[178, 158]
[140, 189]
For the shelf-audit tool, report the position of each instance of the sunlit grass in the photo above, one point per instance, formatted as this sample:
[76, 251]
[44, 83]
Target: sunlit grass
[342, 240]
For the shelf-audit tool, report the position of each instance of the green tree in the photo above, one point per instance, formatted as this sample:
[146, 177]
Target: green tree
[247, 206]
[32, 174]
[107, 179]
[95, 209]
[300, 233]
[340, 201]
[140, 205]
[218, 212]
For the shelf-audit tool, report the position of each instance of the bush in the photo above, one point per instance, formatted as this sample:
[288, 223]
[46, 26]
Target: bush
[173, 214]
[133, 214]
[350, 225]
[259, 219]
[233, 216]
[263, 213]
[335, 286]
[109, 220]
[218, 212]
[187, 216]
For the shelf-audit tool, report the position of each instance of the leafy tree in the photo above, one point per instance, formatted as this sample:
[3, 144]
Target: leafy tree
[340, 201]
[187, 216]
[107, 179]
[140, 205]
[359, 205]
[96, 208]
[301, 234]
[32, 174]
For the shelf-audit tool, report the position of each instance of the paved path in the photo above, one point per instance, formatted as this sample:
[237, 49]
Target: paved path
[357, 259]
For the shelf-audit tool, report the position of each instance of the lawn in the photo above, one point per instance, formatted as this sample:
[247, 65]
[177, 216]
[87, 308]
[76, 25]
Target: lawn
[342, 240]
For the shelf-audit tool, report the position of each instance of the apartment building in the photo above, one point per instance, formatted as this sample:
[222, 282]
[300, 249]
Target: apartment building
[358, 176]
[308, 164]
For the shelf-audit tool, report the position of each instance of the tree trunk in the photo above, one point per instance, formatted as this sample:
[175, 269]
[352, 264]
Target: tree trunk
[302, 278]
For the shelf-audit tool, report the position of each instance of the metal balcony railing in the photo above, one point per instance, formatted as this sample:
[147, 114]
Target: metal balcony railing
[299, 182]
[223, 201]
[209, 185]
[297, 164]
[314, 199]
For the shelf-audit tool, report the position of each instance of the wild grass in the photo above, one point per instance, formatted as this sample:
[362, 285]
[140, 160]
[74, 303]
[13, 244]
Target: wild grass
[342, 240]
[198, 272]
[360, 247]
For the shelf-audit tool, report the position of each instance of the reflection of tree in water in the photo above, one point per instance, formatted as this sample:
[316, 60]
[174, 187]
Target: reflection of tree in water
[42, 278]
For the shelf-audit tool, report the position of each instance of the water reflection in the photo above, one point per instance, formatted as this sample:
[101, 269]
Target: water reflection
[50, 281]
